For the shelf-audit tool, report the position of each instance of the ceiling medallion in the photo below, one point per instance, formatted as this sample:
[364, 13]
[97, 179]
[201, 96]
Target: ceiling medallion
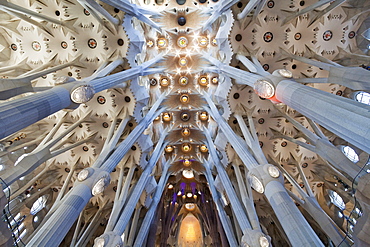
[92, 43]
[351, 34]
[203, 81]
[327, 35]
[203, 148]
[165, 81]
[36, 46]
[13, 47]
[101, 100]
[203, 42]
[166, 117]
[186, 147]
[86, 12]
[270, 4]
[161, 43]
[297, 36]
[182, 42]
[169, 149]
[183, 61]
[185, 116]
[203, 116]
[183, 81]
[184, 98]
[185, 132]
[64, 45]
[268, 36]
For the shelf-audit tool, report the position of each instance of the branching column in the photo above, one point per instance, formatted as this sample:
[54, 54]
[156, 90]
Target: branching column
[344, 117]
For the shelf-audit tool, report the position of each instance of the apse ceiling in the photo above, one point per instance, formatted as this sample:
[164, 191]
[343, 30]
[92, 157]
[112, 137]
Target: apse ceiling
[46, 44]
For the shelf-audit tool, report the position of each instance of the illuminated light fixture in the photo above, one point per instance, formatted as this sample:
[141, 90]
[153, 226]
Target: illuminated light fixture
[182, 42]
[203, 148]
[183, 61]
[184, 98]
[264, 242]
[150, 43]
[215, 80]
[183, 81]
[203, 116]
[82, 175]
[186, 162]
[285, 73]
[161, 43]
[190, 206]
[195, 196]
[189, 195]
[169, 149]
[185, 132]
[186, 147]
[203, 41]
[203, 81]
[99, 242]
[214, 42]
[82, 94]
[273, 171]
[183, 196]
[100, 185]
[188, 174]
[170, 186]
[166, 117]
[257, 184]
[165, 81]
[157, 118]
[179, 193]
[264, 89]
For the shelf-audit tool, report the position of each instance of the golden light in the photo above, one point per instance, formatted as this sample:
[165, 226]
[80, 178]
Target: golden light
[203, 148]
[186, 147]
[203, 116]
[186, 162]
[189, 195]
[203, 41]
[169, 149]
[150, 43]
[161, 43]
[167, 117]
[183, 61]
[165, 81]
[215, 80]
[203, 81]
[183, 81]
[214, 42]
[170, 186]
[185, 132]
[182, 42]
[184, 98]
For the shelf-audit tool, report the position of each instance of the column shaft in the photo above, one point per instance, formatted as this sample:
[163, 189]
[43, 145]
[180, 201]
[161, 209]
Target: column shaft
[344, 117]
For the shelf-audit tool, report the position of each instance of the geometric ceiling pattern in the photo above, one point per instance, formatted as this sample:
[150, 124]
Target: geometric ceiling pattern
[184, 123]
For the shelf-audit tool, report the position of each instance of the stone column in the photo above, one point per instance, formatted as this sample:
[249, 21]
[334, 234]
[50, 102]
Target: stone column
[344, 117]
[268, 180]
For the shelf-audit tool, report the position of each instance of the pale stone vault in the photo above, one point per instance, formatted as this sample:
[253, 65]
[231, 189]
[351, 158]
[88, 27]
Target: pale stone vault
[185, 123]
